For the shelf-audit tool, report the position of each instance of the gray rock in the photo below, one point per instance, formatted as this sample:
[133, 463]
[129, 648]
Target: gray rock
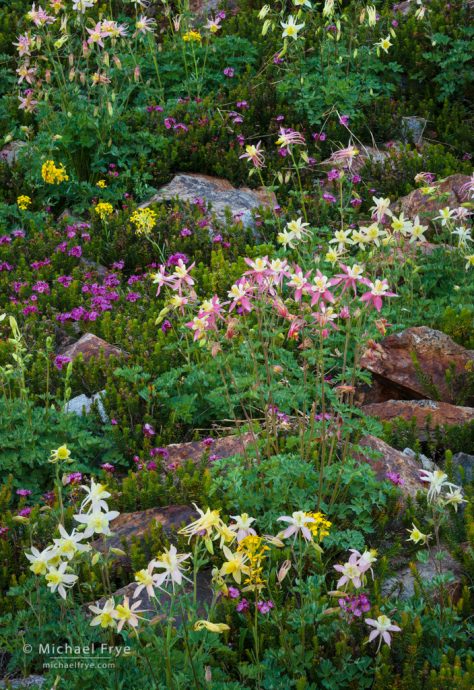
[10, 152]
[82, 404]
[21, 683]
[426, 462]
[463, 464]
[219, 193]
[402, 584]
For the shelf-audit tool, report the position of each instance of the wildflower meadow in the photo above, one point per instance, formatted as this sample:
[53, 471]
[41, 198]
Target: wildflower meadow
[236, 345]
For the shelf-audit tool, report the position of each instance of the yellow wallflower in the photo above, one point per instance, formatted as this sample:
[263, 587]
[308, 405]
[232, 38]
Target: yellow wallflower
[102, 184]
[320, 527]
[144, 220]
[212, 627]
[192, 36]
[103, 209]
[23, 202]
[52, 174]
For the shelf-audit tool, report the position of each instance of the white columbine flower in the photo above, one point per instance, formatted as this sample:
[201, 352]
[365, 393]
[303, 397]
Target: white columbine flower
[290, 28]
[96, 495]
[41, 560]
[58, 579]
[69, 544]
[437, 480]
[170, 562]
[96, 522]
[106, 616]
[242, 526]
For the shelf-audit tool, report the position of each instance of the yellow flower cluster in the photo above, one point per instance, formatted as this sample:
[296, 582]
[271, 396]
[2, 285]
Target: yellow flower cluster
[320, 527]
[255, 549]
[103, 209]
[192, 36]
[52, 174]
[102, 184]
[23, 202]
[144, 220]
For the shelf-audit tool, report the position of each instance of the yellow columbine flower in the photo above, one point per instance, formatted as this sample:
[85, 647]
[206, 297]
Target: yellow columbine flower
[23, 202]
[52, 174]
[416, 536]
[103, 209]
[61, 454]
[212, 627]
[235, 564]
[384, 44]
[469, 261]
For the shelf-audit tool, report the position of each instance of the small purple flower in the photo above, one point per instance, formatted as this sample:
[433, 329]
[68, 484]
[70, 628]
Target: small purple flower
[23, 492]
[152, 465]
[107, 467]
[344, 120]
[186, 232]
[25, 512]
[329, 198]
[75, 251]
[166, 326]
[3, 532]
[355, 202]
[234, 593]
[133, 297]
[208, 442]
[229, 72]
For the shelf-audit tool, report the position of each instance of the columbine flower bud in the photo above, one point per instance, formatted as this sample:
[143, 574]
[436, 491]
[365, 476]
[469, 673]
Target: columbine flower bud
[284, 570]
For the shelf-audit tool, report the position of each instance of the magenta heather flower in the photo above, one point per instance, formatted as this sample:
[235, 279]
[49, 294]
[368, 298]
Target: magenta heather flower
[23, 492]
[265, 606]
[355, 605]
[185, 232]
[74, 478]
[166, 326]
[152, 465]
[395, 478]
[75, 251]
[65, 281]
[60, 361]
[344, 120]
[229, 72]
[25, 512]
[329, 198]
[162, 452]
[334, 174]
[148, 430]
[208, 442]
[107, 467]
[41, 287]
[233, 592]
[133, 297]
[242, 606]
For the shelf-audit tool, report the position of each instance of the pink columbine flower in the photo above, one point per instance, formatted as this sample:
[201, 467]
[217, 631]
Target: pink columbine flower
[378, 290]
[297, 524]
[254, 154]
[320, 289]
[383, 627]
[350, 276]
[148, 430]
[351, 573]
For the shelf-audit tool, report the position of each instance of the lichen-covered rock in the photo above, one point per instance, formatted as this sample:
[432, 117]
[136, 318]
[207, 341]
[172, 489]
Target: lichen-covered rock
[384, 459]
[218, 192]
[448, 193]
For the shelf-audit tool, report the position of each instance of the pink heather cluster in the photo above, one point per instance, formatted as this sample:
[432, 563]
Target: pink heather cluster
[273, 281]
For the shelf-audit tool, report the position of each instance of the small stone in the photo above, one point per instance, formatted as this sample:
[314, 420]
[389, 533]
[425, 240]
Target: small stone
[82, 404]
[426, 462]
[463, 464]
[90, 345]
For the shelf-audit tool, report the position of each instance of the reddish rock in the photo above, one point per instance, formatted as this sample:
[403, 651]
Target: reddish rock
[223, 447]
[89, 345]
[135, 525]
[448, 193]
[393, 358]
[383, 458]
[427, 413]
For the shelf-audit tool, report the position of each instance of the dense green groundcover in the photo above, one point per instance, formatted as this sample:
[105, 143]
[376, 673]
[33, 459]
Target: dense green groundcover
[246, 326]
